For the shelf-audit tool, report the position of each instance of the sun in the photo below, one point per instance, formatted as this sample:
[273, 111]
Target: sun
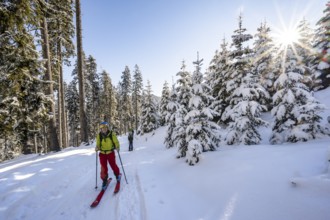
[287, 37]
[286, 42]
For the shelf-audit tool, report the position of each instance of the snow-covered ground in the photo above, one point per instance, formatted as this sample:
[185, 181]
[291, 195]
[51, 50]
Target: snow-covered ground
[233, 183]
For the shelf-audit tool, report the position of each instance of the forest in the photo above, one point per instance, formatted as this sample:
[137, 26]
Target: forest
[248, 76]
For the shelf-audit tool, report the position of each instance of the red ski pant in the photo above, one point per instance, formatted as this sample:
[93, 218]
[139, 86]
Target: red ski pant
[104, 159]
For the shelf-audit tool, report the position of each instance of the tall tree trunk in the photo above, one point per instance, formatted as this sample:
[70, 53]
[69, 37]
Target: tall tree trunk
[53, 139]
[59, 110]
[82, 112]
[61, 99]
[136, 112]
[110, 105]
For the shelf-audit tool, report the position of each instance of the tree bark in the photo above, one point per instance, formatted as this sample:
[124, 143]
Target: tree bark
[53, 139]
[82, 112]
[61, 100]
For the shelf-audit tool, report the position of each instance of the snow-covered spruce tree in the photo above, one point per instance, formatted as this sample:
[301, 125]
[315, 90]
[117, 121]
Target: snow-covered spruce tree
[126, 102]
[244, 109]
[305, 50]
[23, 109]
[295, 111]
[92, 91]
[183, 90]
[108, 102]
[137, 95]
[163, 103]
[321, 64]
[246, 114]
[202, 134]
[72, 103]
[119, 117]
[150, 115]
[218, 73]
[263, 62]
[61, 32]
[240, 65]
[170, 118]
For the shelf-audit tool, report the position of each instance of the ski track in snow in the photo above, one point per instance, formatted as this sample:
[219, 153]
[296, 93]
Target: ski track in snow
[37, 200]
[61, 186]
[130, 204]
[73, 181]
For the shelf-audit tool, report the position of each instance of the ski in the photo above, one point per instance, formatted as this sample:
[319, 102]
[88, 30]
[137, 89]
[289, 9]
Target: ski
[100, 195]
[117, 187]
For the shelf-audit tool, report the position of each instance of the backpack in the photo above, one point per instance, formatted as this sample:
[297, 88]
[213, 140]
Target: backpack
[109, 134]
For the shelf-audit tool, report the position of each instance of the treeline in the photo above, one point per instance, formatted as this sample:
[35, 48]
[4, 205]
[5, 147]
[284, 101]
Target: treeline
[224, 105]
[39, 112]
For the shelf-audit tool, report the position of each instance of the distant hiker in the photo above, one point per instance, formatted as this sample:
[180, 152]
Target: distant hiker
[130, 140]
[106, 143]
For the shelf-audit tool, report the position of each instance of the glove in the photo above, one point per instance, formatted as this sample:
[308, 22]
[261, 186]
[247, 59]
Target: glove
[97, 149]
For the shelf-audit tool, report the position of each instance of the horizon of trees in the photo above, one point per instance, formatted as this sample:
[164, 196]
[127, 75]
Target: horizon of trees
[41, 113]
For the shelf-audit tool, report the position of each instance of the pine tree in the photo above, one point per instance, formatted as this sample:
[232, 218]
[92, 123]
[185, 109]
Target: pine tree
[238, 81]
[61, 32]
[184, 94]
[201, 134]
[170, 118]
[126, 100]
[163, 103]
[246, 114]
[108, 101]
[137, 95]
[72, 103]
[263, 62]
[21, 70]
[92, 87]
[321, 64]
[150, 114]
[81, 78]
[216, 77]
[304, 48]
[296, 111]
[239, 67]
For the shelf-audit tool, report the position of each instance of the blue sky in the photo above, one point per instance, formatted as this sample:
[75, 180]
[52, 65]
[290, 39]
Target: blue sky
[158, 35]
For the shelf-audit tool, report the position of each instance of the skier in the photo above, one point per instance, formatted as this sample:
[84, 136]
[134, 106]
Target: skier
[130, 140]
[106, 143]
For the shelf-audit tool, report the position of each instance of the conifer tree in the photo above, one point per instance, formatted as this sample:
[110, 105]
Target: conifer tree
[304, 48]
[170, 118]
[163, 103]
[201, 134]
[72, 103]
[217, 75]
[150, 114]
[92, 88]
[137, 94]
[263, 62]
[54, 144]
[81, 78]
[183, 96]
[126, 100]
[296, 111]
[61, 32]
[108, 101]
[23, 106]
[321, 64]
[246, 114]
[239, 67]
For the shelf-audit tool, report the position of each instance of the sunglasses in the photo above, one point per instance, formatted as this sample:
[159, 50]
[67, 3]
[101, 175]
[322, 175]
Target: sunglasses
[103, 126]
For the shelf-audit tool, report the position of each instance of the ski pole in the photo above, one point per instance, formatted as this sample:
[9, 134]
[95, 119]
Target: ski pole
[122, 166]
[96, 171]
